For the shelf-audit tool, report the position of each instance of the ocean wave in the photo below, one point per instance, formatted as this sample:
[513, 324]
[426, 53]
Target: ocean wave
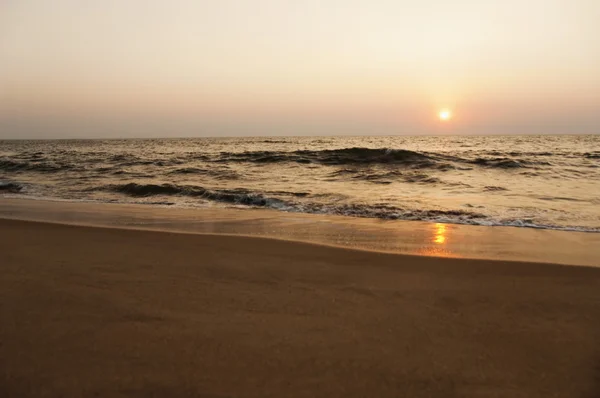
[297, 202]
[422, 179]
[439, 216]
[123, 158]
[233, 196]
[287, 193]
[189, 170]
[30, 156]
[387, 212]
[42, 167]
[218, 174]
[494, 188]
[530, 174]
[131, 174]
[274, 142]
[152, 162]
[346, 156]
[10, 187]
[128, 160]
[500, 163]
[384, 157]
[385, 176]
[518, 153]
[245, 197]
[526, 223]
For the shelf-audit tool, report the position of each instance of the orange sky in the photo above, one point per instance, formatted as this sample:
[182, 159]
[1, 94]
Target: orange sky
[275, 67]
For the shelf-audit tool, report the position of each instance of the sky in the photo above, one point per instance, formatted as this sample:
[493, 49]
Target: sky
[113, 68]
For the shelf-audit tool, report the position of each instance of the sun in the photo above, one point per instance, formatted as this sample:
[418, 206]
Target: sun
[445, 115]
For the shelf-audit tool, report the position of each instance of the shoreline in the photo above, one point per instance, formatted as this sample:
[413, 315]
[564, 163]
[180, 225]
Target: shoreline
[385, 236]
[266, 240]
[91, 311]
[16, 196]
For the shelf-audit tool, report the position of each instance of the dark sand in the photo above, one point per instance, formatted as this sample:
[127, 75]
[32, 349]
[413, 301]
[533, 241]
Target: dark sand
[92, 312]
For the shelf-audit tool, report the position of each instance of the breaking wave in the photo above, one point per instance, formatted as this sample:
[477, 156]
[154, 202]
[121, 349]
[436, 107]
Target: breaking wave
[10, 187]
[245, 197]
[380, 156]
[233, 196]
[347, 156]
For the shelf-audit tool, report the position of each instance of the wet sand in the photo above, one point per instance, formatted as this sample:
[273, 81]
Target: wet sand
[122, 313]
[393, 236]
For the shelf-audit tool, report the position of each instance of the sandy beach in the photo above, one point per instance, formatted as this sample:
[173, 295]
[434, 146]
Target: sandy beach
[300, 199]
[122, 313]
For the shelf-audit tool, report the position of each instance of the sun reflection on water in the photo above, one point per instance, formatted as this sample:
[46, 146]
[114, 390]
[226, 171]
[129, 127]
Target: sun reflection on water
[440, 234]
[437, 243]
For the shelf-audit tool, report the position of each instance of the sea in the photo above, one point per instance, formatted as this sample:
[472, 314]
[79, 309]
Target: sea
[532, 181]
